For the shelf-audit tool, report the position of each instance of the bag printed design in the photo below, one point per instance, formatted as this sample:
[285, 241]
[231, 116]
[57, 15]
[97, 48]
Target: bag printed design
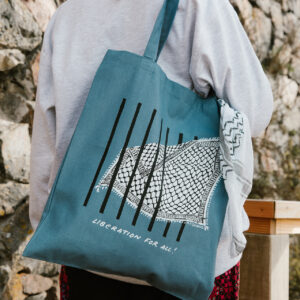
[171, 183]
[191, 171]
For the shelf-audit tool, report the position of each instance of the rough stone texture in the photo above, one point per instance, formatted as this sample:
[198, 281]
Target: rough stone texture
[41, 10]
[273, 27]
[15, 150]
[29, 265]
[23, 266]
[4, 275]
[10, 58]
[277, 157]
[18, 28]
[11, 195]
[22, 23]
[277, 20]
[257, 25]
[295, 69]
[35, 284]
[294, 6]
[265, 5]
[16, 89]
[260, 30]
[41, 296]
[35, 69]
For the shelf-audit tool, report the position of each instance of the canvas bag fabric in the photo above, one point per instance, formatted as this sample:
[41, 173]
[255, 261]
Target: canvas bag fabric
[139, 192]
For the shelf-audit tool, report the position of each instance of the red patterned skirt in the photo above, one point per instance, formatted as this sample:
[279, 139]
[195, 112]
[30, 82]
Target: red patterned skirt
[76, 284]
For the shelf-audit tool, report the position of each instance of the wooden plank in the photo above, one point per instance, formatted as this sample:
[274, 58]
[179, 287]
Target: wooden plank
[260, 208]
[270, 226]
[287, 226]
[287, 209]
[261, 225]
[273, 216]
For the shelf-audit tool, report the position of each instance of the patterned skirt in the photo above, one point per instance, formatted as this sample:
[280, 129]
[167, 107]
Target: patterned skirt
[76, 284]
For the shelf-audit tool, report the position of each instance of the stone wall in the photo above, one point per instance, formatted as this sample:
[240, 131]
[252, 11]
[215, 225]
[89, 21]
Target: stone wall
[22, 24]
[274, 30]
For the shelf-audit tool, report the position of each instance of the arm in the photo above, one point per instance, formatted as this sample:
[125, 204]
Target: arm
[43, 132]
[224, 59]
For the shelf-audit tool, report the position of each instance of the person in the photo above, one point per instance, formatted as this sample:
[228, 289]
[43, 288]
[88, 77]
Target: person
[207, 49]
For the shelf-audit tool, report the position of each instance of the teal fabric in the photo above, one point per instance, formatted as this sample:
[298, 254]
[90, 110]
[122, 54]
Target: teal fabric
[73, 231]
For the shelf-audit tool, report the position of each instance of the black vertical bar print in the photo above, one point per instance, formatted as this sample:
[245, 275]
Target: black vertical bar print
[180, 138]
[167, 228]
[136, 164]
[137, 212]
[105, 151]
[162, 184]
[183, 223]
[117, 167]
[180, 231]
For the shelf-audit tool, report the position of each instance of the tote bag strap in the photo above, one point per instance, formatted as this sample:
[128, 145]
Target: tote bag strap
[161, 29]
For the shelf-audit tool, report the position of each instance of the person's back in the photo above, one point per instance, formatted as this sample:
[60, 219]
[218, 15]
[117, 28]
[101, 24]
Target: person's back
[207, 48]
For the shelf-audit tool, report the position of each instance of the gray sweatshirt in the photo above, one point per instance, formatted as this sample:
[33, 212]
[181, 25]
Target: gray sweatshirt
[207, 48]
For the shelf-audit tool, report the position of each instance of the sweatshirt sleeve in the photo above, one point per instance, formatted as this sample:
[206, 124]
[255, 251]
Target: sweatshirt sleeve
[43, 132]
[224, 59]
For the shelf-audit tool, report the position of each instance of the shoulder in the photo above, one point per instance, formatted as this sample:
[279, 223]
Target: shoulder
[207, 13]
[209, 8]
[66, 10]
[207, 4]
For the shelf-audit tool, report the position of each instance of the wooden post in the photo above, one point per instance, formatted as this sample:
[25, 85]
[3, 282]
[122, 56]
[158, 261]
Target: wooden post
[265, 267]
[265, 260]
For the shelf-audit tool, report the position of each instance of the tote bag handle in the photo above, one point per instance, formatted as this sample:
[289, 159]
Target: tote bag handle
[161, 29]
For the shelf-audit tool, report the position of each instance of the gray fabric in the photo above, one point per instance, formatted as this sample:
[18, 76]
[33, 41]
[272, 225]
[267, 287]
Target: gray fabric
[236, 160]
[207, 47]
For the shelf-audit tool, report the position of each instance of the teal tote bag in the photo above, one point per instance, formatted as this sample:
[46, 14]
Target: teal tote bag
[139, 192]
